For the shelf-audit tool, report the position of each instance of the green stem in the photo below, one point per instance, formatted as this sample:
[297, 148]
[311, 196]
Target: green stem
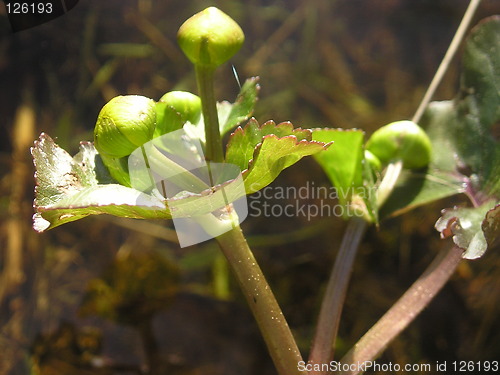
[331, 308]
[273, 326]
[404, 311]
[205, 80]
[420, 293]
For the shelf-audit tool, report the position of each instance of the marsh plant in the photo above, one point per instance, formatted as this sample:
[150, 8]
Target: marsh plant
[166, 160]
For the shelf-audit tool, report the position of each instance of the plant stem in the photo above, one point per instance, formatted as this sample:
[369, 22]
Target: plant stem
[393, 171]
[421, 292]
[402, 313]
[331, 308]
[443, 67]
[205, 80]
[273, 326]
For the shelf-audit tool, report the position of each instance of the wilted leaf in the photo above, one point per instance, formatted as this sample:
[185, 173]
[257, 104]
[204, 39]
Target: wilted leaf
[467, 228]
[69, 189]
[110, 199]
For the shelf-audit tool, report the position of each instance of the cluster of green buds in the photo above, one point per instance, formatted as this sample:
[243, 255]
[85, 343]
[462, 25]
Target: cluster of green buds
[126, 123]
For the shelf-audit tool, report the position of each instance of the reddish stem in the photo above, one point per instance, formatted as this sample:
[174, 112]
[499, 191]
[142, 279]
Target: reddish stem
[404, 311]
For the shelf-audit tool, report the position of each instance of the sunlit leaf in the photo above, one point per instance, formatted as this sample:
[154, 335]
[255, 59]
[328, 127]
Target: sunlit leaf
[274, 155]
[343, 163]
[69, 189]
[243, 141]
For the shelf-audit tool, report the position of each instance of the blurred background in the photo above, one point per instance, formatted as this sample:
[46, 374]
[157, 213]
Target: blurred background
[110, 296]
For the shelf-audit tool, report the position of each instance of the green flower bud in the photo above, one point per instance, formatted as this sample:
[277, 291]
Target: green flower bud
[124, 124]
[210, 37]
[186, 104]
[401, 140]
[373, 161]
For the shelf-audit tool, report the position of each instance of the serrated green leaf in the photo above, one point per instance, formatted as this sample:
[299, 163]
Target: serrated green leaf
[242, 143]
[275, 154]
[262, 152]
[242, 108]
[465, 225]
[345, 167]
